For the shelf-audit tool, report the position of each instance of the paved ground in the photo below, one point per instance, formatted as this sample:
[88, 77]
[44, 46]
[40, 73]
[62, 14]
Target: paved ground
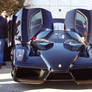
[8, 85]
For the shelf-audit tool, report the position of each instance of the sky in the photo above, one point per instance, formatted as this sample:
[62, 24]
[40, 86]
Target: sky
[59, 8]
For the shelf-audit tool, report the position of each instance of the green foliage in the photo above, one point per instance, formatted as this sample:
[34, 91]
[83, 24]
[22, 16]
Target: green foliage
[11, 6]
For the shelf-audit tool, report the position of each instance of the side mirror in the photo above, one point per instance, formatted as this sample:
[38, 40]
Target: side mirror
[75, 36]
[42, 44]
[72, 45]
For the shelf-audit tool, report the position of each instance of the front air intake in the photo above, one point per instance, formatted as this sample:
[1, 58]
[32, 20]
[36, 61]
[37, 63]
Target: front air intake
[59, 76]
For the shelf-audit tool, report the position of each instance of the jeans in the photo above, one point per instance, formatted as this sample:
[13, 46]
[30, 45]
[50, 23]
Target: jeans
[2, 43]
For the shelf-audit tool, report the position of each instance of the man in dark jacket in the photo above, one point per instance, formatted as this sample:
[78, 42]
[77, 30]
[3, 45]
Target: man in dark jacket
[3, 37]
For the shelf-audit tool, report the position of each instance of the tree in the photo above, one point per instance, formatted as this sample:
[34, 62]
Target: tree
[11, 6]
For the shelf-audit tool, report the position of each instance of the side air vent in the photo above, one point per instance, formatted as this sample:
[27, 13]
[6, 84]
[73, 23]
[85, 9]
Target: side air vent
[82, 74]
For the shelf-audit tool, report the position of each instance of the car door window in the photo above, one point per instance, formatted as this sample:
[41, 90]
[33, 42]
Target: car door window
[36, 20]
[81, 24]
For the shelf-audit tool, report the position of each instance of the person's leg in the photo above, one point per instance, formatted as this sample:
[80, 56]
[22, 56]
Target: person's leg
[2, 42]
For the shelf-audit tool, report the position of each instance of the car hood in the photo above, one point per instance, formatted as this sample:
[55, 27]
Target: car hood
[58, 58]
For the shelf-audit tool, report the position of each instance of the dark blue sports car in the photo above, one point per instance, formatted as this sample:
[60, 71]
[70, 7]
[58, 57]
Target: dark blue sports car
[41, 52]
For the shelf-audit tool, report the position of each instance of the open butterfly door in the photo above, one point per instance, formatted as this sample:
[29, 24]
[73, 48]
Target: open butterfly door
[77, 20]
[36, 21]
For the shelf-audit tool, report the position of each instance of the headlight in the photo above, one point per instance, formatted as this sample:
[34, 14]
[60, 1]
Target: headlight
[20, 54]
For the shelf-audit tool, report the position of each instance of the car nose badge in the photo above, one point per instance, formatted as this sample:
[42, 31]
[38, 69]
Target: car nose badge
[59, 65]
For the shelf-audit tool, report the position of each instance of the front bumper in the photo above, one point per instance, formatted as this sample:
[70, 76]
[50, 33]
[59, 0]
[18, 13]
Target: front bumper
[34, 70]
[39, 76]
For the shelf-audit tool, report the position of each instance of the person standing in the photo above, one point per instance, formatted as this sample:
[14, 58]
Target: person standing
[3, 37]
[7, 49]
[5, 15]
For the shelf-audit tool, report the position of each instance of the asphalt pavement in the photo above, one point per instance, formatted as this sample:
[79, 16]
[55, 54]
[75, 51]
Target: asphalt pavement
[8, 85]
